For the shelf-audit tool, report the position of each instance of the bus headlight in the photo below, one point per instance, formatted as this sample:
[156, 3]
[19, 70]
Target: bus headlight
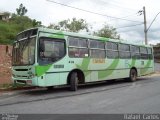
[30, 74]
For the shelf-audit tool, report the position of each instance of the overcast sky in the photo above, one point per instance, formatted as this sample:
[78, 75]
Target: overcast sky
[48, 12]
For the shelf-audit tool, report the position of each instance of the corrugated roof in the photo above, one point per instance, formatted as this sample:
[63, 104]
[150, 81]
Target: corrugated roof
[4, 13]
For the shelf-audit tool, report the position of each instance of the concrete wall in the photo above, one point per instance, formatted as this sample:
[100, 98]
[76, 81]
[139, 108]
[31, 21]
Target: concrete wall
[5, 64]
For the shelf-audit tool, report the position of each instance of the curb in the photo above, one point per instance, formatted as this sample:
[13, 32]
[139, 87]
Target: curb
[16, 89]
[5, 93]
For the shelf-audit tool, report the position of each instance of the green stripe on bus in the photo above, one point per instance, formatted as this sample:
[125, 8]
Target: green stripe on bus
[84, 65]
[107, 71]
[59, 35]
[104, 39]
[40, 70]
[133, 62]
[146, 67]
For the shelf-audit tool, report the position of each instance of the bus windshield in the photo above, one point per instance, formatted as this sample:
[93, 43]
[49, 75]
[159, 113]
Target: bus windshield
[51, 50]
[24, 52]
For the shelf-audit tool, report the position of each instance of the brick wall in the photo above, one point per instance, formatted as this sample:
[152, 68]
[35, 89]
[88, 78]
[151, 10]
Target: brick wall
[5, 64]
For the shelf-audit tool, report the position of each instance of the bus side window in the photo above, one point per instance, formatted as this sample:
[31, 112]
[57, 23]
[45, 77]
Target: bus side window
[78, 47]
[73, 41]
[135, 53]
[95, 53]
[83, 52]
[97, 49]
[124, 51]
[73, 52]
[144, 53]
[112, 50]
[97, 44]
[51, 50]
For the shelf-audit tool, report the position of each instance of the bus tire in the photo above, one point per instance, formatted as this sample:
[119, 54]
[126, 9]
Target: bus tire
[133, 75]
[50, 88]
[73, 82]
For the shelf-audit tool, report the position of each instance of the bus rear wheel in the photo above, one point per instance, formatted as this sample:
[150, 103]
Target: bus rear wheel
[50, 88]
[133, 75]
[73, 81]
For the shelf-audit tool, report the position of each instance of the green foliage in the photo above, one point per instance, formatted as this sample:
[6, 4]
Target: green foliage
[21, 11]
[19, 22]
[108, 32]
[12, 86]
[23, 22]
[7, 32]
[16, 24]
[72, 25]
[36, 23]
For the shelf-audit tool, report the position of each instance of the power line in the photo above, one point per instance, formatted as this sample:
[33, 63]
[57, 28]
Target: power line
[109, 3]
[129, 15]
[92, 12]
[115, 5]
[153, 21]
[130, 26]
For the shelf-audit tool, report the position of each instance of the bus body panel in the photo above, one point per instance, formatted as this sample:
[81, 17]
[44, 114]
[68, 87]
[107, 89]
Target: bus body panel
[94, 69]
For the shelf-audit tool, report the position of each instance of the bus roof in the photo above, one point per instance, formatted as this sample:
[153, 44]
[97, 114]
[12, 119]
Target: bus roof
[49, 30]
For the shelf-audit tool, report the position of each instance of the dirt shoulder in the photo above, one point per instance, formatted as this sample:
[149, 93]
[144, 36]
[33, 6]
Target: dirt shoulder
[155, 74]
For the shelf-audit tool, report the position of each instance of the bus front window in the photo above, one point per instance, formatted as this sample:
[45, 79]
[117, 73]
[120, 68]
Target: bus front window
[51, 50]
[24, 52]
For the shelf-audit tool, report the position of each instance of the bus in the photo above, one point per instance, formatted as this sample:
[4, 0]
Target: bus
[46, 58]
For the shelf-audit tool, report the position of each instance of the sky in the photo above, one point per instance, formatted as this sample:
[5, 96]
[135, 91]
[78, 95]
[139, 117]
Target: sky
[49, 12]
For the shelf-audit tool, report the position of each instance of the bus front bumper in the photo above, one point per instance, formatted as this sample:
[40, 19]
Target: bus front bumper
[32, 82]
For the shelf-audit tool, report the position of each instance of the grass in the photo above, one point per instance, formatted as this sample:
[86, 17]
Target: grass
[11, 86]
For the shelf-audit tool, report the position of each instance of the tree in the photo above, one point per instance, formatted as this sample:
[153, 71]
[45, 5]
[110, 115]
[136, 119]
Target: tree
[23, 22]
[8, 32]
[75, 25]
[54, 26]
[108, 32]
[36, 23]
[72, 25]
[21, 11]
[17, 23]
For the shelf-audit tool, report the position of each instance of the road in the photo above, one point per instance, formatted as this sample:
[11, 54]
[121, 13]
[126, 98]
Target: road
[142, 96]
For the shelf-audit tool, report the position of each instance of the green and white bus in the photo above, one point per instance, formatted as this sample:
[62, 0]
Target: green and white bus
[45, 57]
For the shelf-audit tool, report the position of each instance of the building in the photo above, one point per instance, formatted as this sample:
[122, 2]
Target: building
[156, 49]
[4, 16]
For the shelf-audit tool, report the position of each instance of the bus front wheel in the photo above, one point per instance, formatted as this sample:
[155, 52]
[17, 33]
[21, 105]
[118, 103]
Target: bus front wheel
[133, 75]
[73, 82]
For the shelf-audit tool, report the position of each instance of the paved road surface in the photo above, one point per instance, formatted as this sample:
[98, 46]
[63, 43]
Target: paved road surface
[142, 96]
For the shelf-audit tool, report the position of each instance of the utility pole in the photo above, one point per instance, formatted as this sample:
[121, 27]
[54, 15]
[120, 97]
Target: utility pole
[140, 12]
[145, 26]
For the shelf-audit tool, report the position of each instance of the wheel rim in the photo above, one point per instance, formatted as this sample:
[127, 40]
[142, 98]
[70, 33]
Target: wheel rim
[74, 82]
[133, 75]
